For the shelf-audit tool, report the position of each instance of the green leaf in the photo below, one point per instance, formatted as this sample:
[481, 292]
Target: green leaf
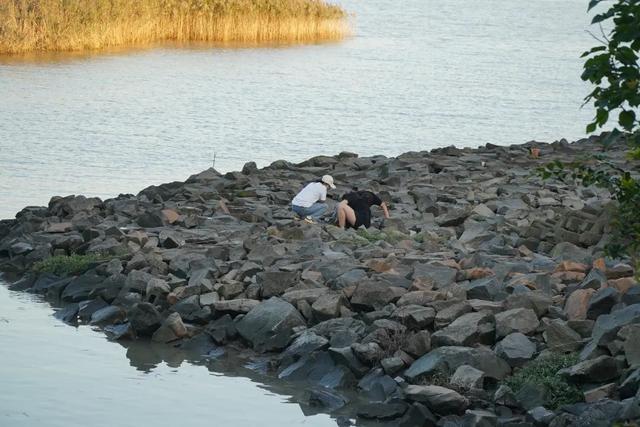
[602, 116]
[591, 127]
[627, 119]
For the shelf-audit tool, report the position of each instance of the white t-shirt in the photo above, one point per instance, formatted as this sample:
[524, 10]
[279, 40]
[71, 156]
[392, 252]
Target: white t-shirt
[310, 194]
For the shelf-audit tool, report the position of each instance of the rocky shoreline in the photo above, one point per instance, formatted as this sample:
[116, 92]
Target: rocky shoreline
[485, 300]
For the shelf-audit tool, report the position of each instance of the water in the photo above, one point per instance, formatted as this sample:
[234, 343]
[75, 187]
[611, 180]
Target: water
[416, 75]
[56, 375]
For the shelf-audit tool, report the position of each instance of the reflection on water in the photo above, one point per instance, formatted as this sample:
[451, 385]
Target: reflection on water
[56, 375]
[416, 75]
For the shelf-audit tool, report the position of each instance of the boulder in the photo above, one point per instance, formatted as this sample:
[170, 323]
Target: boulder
[467, 330]
[600, 369]
[269, 325]
[516, 349]
[560, 337]
[144, 318]
[329, 306]
[448, 359]
[468, 378]
[171, 329]
[439, 399]
[516, 320]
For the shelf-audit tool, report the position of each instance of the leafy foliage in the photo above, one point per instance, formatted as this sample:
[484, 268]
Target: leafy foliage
[544, 372]
[614, 71]
[66, 265]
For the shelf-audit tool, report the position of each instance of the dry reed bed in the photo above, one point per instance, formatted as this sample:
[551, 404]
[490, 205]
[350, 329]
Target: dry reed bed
[71, 25]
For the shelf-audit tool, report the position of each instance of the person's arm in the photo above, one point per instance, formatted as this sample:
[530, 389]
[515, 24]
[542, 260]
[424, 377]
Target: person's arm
[383, 205]
[323, 193]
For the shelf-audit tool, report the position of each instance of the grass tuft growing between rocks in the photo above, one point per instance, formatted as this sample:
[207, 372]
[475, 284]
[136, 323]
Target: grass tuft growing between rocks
[543, 372]
[73, 25]
[66, 265]
[372, 235]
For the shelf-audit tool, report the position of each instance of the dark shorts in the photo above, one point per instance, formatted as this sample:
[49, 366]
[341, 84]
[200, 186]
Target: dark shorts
[363, 217]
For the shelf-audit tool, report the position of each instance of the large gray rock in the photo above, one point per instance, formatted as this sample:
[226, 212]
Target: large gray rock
[468, 378]
[269, 325]
[450, 358]
[516, 349]
[438, 275]
[566, 251]
[414, 316]
[372, 295]
[560, 337]
[439, 399]
[608, 325]
[274, 283]
[516, 320]
[81, 287]
[600, 369]
[467, 330]
[144, 318]
[601, 302]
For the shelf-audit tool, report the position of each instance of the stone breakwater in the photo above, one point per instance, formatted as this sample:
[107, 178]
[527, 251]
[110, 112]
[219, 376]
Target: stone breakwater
[483, 270]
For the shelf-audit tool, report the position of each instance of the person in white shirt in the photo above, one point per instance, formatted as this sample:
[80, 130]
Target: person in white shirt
[309, 202]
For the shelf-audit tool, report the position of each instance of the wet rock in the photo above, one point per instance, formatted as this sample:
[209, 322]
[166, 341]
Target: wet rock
[80, 288]
[117, 332]
[68, 314]
[171, 329]
[517, 320]
[108, 315]
[144, 318]
[382, 411]
[269, 325]
[417, 415]
[326, 399]
[87, 308]
[439, 399]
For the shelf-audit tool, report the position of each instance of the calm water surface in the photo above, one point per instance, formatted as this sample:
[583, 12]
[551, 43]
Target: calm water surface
[417, 74]
[52, 374]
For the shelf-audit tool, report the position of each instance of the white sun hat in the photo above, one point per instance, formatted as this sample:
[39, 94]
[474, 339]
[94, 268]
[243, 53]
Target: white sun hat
[328, 179]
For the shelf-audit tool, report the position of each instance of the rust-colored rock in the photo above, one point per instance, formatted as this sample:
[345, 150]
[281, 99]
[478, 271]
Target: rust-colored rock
[572, 266]
[577, 304]
[622, 285]
[170, 216]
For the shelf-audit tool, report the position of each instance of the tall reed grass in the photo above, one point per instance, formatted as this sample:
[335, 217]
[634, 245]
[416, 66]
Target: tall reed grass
[68, 25]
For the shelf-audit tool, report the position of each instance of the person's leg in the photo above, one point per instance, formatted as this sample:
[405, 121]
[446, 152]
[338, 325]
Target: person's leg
[299, 210]
[345, 214]
[316, 210]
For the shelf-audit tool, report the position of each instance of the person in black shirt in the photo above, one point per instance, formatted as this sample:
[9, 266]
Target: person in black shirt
[355, 209]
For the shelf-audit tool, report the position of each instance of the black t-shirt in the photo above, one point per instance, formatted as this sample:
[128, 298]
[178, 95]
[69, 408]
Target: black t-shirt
[361, 202]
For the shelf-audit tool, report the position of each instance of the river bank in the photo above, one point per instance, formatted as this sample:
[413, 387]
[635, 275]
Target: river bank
[482, 270]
